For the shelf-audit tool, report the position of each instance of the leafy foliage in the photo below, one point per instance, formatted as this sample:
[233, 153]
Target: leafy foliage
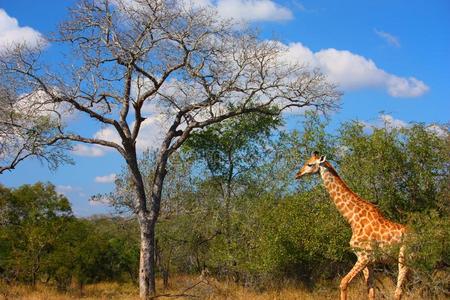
[278, 227]
[41, 240]
[253, 226]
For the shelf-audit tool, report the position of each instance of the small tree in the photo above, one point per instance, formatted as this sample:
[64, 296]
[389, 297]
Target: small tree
[33, 218]
[400, 169]
[231, 152]
[130, 56]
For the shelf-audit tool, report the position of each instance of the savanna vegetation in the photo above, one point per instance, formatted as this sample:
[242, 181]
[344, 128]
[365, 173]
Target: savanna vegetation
[234, 223]
[123, 65]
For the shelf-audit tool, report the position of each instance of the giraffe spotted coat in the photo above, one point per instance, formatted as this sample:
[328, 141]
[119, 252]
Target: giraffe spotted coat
[370, 229]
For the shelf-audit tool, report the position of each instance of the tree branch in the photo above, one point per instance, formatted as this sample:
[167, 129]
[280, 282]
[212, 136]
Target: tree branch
[78, 138]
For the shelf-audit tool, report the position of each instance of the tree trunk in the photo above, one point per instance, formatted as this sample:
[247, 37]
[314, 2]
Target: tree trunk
[148, 217]
[147, 270]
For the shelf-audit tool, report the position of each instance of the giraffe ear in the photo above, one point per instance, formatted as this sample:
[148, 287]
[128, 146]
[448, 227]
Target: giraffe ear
[323, 158]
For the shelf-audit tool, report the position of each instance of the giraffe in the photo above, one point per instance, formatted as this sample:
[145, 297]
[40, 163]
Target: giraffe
[370, 230]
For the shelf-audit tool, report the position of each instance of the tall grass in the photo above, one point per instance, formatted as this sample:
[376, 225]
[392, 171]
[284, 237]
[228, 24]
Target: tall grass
[192, 287]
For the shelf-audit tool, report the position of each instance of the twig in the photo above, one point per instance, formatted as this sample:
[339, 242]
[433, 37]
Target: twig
[183, 293]
[173, 296]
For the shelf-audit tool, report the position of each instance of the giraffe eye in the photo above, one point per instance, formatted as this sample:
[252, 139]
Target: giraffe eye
[310, 165]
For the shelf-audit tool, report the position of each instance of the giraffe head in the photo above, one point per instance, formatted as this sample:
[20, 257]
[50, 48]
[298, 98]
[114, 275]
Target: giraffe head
[312, 165]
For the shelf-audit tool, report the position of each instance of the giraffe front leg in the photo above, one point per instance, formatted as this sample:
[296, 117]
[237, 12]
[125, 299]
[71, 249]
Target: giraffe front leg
[402, 271]
[358, 267]
[368, 276]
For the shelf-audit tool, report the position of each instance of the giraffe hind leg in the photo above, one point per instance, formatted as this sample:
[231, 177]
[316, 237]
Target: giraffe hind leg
[368, 276]
[402, 272]
[358, 267]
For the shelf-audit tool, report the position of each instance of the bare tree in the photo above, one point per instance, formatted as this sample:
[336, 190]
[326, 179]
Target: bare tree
[197, 69]
[27, 131]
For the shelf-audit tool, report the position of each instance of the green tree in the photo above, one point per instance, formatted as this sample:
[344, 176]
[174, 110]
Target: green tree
[187, 62]
[399, 169]
[33, 217]
[278, 228]
[230, 154]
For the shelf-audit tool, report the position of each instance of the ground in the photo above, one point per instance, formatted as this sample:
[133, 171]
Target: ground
[192, 287]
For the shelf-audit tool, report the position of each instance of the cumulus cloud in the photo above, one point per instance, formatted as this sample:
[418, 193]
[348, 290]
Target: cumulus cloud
[405, 87]
[11, 33]
[253, 10]
[108, 134]
[352, 71]
[241, 10]
[439, 131]
[38, 104]
[385, 121]
[389, 38]
[100, 200]
[85, 150]
[106, 178]
[62, 189]
[150, 134]
[68, 190]
[391, 122]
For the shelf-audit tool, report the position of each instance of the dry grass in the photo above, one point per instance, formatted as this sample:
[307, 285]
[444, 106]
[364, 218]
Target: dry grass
[195, 288]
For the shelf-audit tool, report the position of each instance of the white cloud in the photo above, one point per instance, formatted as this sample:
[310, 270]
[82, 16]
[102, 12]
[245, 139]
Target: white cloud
[253, 10]
[439, 131]
[385, 121]
[390, 122]
[64, 189]
[405, 87]
[12, 33]
[150, 134]
[106, 179]
[244, 10]
[108, 134]
[100, 200]
[352, 71]
[155, 123]
[240, 10]
[198, 3]
[85, 150]
[389, 38]
[68, 190]
[38, 103]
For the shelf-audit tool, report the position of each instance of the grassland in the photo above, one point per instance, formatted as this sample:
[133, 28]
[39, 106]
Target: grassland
[189, 287]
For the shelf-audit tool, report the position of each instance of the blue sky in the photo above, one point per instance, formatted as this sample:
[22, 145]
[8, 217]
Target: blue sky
[390, 56]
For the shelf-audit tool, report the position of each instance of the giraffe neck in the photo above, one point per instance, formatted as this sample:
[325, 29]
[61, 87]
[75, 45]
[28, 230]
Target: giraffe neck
[346, 201]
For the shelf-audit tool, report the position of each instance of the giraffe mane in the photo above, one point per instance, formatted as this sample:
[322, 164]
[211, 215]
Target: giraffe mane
[331, 168]
[333, 171]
